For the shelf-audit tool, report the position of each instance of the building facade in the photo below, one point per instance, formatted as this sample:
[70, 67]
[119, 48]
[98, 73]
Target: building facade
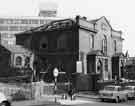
[48, 9]
[130, 68]
[99, 47]
[15, 62]
[76, 46]
[19, 57]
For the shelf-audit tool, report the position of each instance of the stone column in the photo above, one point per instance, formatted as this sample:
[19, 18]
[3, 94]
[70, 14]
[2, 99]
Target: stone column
[85, 63]
[110, 68]
[81, 58]
[119, 67]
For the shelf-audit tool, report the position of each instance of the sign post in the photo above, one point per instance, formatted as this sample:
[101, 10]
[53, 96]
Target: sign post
[55, 74]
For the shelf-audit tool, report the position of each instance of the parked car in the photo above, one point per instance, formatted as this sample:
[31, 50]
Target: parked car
[113, 92]
[123, 80]
[4, 100]
[130, 91]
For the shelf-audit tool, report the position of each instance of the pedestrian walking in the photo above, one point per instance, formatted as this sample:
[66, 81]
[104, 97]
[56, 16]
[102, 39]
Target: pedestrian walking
[71, 91]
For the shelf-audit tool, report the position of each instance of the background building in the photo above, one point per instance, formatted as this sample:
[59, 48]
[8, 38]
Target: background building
[130, 68]
[15, 62]
[9, 25]
[48, 9]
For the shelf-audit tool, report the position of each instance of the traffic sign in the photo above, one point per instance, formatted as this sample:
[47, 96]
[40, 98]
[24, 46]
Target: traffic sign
[55, 72]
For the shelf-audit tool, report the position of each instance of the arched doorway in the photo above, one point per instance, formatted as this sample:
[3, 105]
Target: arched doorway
[100, 69]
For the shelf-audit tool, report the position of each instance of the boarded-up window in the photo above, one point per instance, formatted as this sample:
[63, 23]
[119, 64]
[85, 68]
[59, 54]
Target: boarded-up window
[62, 42]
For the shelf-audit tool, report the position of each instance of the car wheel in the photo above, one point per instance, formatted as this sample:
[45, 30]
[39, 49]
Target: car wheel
[117, 100]
[102, 100]
[5, 104]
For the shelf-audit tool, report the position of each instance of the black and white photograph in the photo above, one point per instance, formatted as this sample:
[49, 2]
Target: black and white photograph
[67, 53]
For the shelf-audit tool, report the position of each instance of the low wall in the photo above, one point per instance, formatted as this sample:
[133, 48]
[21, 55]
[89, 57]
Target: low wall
[17, 91]
[33, 90]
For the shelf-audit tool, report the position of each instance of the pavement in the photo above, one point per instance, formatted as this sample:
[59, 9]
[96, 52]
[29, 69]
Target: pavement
[87, 95]
[50, 100]
[46, 99]
[75, 102]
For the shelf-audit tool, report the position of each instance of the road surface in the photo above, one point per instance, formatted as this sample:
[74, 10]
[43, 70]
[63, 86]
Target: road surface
[77, 102]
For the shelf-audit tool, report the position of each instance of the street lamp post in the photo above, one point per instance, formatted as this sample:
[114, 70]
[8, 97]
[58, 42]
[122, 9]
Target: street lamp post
[55, 74]
[55, 89]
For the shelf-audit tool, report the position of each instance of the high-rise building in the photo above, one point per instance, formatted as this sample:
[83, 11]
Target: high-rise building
[9, 25]
[48, 9]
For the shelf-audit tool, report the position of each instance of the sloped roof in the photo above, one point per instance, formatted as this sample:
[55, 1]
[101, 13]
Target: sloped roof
[16, 49]
[64, 23]
[96, 20]
[3, 50]
[51, 26]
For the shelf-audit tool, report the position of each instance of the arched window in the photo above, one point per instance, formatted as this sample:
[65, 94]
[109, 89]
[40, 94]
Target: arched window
[91, 41]
[18, 61]
[104, 45]
[115, 46]
[62, 41]
[43, 43]
[27, 62]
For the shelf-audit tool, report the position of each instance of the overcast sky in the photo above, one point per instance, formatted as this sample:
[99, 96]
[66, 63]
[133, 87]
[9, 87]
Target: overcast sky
[120, 13]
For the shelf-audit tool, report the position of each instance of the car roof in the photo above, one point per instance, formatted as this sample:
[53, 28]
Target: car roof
[131, 86]
[117, 86]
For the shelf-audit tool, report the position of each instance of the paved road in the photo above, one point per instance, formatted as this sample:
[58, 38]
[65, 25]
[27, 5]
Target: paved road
[77, 102]
[35, 103]
[98, 103]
